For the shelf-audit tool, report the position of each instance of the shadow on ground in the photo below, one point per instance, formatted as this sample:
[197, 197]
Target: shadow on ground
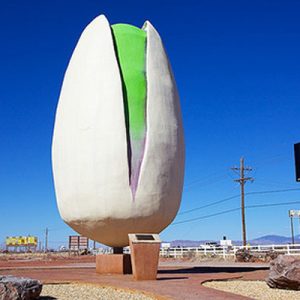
[172, 278]
[199, 270]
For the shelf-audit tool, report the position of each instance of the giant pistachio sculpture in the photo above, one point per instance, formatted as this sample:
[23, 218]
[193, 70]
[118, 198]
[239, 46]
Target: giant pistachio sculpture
[118, 149]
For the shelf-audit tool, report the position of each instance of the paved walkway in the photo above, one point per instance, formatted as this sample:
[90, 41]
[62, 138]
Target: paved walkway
[181, 281]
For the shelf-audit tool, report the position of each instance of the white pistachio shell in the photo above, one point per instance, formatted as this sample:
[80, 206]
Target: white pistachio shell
[89, 150]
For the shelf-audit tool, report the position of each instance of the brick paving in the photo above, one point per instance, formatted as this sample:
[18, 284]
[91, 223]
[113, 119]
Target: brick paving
[179, 282]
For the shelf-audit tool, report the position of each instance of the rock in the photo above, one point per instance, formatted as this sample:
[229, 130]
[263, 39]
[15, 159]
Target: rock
[271, 255]
[19, 288]
[244, 255]
[284, 273]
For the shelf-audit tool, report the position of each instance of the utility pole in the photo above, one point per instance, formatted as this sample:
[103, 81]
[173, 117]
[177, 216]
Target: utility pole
[46, 240]
[293, 214]
[242, 180]
[292, 231]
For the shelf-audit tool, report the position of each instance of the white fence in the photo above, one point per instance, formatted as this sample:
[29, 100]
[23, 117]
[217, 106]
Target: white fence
[224, 251]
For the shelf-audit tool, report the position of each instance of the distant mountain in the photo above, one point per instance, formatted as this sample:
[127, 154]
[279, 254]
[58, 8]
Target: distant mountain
[274, 239]
[187, 243]
[263, 240]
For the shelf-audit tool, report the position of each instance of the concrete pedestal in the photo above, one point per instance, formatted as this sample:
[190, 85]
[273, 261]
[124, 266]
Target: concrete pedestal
[144, 258]
[113, 264]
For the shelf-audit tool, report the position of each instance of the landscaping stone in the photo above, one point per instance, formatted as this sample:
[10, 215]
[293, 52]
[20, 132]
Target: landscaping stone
[271, 255]
[284, 273]
[19, 288]
[244, 255]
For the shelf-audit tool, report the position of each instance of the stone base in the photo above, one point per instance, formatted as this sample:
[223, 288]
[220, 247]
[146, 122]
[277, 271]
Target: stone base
[113, 264]
[144, 258]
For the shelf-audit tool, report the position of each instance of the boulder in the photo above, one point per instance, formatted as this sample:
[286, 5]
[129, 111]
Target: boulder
[19, 288]
[284, 273]
[270, 255]
[244, 255]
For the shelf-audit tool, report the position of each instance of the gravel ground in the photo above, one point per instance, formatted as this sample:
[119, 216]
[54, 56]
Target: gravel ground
[88, 292]
[253, 289]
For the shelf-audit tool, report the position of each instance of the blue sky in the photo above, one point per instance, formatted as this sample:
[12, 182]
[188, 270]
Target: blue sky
[237, 67]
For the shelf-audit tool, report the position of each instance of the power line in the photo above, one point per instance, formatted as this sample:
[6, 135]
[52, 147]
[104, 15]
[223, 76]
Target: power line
[204, 182]
[204, 178]
[211, 179]
[208, 216]
[236, 196]
[273, 191]
[208, 205]
[271, 204]
[236, 209]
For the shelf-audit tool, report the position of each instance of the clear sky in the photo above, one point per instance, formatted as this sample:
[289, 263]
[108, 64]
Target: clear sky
[237, 66]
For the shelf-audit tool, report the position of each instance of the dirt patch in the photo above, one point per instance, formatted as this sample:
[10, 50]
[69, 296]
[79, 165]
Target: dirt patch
[42, 259]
